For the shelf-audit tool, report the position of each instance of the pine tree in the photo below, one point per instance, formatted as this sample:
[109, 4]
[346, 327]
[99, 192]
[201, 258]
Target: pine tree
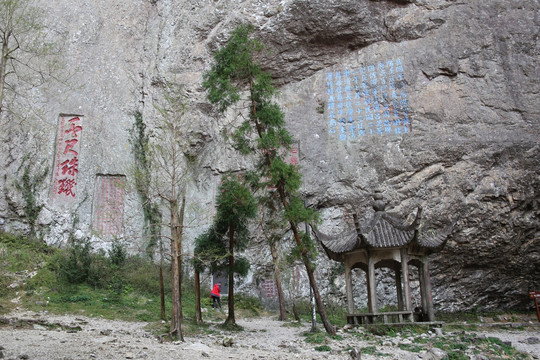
[229, 233]
[263, 133]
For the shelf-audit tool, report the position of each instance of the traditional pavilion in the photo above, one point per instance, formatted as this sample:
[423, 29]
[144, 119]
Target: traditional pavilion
[385, 242]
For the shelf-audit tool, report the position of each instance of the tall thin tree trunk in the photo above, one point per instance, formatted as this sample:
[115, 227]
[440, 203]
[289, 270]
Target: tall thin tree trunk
[309, 269]
[231, 319]
[281, 190]
[198, 313]
[180, 233]
[176, 323]
[277, 275]
[162, 292]
[161, 284]
[176, 319]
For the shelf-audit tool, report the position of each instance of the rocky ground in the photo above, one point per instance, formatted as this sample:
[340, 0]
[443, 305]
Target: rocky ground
[29, 335]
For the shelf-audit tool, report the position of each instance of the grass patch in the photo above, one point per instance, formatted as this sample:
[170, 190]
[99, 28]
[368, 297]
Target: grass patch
[315, 337]
[337, 314]
[294, 324]
[87, 300]
[20, 253]
[228, 326]
[411, 347]
[369, 350]
[250, 305]
[323, 348]
[456, 347]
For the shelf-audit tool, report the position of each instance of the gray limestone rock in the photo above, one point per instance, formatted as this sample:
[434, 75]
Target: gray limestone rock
[470, 156]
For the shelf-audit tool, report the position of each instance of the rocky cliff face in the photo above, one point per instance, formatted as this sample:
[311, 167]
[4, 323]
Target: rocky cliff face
[433, 102]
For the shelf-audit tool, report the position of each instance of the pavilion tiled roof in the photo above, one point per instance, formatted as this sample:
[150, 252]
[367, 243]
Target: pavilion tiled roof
[338, 244]
[435, 240]
[383, 231]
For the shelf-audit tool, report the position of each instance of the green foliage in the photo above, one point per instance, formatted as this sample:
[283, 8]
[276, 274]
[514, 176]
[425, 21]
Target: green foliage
[45, 278]
[320, 107]
[411, 347]
[233, 71]
[369, 350]
[457, 355]
[240, 138]
[233, 66]
[29, 185]
[139, 140]
[74, 298]
[285, 175]
[306, 250]
[210, 251]
[143, 275]
[101, 272]
[241, 266]
[296, 212]
[315, 337]
[323, 348]
[235, 205]
[229, 326]
[337, 313]
[75, 267]
[117, 253]
[21, 253]
[250, 303]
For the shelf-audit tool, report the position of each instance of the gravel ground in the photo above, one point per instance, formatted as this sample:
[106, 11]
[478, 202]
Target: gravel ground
[262, 338]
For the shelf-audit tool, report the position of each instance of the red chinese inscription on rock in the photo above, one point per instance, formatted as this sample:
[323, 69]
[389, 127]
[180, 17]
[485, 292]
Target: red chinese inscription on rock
[67, 156]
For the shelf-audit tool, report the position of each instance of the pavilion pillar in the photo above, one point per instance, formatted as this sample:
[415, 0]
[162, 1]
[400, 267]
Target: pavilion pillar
[423, 295]
[399, 288]
[348, 288]
[371, 285]
[427, 289]
[406, 280]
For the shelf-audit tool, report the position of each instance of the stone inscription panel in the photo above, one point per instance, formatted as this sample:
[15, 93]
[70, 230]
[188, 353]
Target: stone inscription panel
[109, 205]
[269, 288]
[66, 165]
[370, 100]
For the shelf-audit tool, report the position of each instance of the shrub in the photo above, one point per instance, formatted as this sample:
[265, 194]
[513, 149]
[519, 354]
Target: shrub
[100, 271]
[117, 253]
[75, 266]
[143, 275]
[250, 303]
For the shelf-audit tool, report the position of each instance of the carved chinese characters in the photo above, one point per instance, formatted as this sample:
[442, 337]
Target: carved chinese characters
[370, 100]
[67, 157]
[109, 205]
[292, 156]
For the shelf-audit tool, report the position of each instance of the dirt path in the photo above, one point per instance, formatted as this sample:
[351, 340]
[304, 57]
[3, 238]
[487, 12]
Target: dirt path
[69, 337]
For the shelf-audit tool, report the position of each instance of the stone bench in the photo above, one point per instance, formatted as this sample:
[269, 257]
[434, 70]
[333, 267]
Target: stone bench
[392, 317]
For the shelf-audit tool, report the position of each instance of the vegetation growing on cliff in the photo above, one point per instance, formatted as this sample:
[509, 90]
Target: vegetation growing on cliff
[29, 184]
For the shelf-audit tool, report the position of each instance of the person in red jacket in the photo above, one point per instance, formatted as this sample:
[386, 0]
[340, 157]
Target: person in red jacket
[216, 295]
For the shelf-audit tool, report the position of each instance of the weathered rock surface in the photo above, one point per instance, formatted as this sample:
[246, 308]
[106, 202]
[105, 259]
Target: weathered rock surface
[471, 74]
